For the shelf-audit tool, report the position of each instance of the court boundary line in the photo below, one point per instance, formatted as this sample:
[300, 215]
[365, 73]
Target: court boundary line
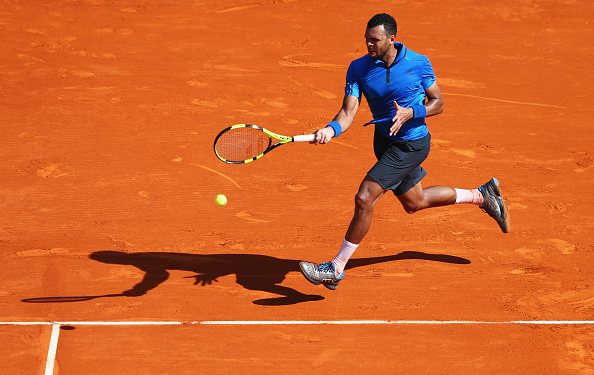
[57, 324]
[52, 350]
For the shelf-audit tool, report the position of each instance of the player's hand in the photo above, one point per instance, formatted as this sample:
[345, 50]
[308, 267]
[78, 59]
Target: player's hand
[203, 279]
[323, 136]
[402, 115]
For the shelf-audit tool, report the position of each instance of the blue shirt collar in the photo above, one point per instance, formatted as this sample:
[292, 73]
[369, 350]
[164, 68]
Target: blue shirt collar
[400, 55]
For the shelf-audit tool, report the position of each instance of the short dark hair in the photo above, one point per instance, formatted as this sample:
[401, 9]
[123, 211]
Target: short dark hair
[386, 20]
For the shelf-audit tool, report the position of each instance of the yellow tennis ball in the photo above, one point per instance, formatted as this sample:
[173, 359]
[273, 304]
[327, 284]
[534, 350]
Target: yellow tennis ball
[221, 200]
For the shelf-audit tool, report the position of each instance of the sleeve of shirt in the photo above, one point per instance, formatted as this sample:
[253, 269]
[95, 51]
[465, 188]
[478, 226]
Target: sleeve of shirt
[428, 74]
[352, 82]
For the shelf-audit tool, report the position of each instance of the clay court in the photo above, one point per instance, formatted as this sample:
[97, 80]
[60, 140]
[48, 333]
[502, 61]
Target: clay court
[115, 258]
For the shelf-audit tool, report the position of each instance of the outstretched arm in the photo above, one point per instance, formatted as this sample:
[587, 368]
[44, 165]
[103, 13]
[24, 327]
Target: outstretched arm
[434, 106]
[151, 280]
[344, 118]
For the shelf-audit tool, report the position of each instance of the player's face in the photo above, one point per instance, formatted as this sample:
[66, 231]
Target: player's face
[378, 42]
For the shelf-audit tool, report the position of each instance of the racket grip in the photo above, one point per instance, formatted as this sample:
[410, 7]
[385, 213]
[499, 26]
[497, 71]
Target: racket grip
[304, 138]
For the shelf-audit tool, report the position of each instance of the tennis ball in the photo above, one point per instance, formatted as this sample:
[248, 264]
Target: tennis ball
[221, 200]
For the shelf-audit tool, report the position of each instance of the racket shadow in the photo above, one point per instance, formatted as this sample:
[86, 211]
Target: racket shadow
[252, 271]
[68, 298]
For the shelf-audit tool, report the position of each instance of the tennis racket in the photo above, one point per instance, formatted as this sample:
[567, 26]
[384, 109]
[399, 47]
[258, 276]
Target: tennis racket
[244, 143]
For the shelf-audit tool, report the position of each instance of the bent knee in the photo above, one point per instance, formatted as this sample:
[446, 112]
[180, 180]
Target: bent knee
[411, 208]
[411, 211]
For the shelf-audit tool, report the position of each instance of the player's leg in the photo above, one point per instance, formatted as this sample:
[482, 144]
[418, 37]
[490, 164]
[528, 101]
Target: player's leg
[417, 198]
[487, 197]
[396, 161]
[367, 196]
[330, 273]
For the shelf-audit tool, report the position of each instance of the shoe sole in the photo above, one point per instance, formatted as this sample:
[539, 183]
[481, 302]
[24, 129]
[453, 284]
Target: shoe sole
[505, 216]
[504, 213]
[331, 286]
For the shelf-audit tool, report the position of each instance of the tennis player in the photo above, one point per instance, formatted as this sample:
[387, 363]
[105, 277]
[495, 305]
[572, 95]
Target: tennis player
[401, 91]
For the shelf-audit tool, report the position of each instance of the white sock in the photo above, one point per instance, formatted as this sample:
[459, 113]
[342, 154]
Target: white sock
[343, 256]
[473, 196]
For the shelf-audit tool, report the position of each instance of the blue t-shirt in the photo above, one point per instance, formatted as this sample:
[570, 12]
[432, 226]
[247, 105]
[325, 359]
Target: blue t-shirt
[405, 81]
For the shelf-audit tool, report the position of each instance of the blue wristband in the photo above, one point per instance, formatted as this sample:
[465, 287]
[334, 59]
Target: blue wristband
[419, 111]
[337, 128]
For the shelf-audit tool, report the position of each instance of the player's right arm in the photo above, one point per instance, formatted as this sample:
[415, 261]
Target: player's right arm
[345, 117]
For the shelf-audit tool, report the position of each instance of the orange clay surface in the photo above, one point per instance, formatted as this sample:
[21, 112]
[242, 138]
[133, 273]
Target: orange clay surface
[108, 180]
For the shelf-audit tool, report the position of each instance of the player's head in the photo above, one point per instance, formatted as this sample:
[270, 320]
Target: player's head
[385, 20]
[380, 35]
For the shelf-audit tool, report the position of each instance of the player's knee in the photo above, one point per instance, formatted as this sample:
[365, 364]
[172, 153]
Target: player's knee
[411, 208]
[363, 201]
[410, 211]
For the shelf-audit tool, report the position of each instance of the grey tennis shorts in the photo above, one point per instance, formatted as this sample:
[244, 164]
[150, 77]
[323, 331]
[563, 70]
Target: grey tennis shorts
[398, 166]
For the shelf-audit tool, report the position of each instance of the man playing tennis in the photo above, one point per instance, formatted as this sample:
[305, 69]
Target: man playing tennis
[401, 90]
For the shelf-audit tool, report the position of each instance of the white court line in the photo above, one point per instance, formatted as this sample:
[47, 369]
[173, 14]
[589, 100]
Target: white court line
[400, 322]
[56, 325]
[53, 347]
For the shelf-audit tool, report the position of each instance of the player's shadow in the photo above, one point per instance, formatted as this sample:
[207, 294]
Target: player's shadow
[253, 272]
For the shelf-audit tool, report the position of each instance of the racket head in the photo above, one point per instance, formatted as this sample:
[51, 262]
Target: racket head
[242, 143]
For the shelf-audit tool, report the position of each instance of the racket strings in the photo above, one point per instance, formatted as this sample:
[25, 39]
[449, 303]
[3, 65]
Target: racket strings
[242, 144]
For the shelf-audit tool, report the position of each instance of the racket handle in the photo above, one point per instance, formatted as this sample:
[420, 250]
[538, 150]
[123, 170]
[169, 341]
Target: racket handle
[304, 138]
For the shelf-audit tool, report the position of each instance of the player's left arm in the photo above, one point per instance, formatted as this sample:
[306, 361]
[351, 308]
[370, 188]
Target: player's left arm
[433, 106]
[434, 103]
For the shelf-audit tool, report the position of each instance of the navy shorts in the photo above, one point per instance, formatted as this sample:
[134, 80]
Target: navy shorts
[398, 166]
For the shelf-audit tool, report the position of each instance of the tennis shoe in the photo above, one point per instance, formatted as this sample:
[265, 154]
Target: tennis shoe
[494, 205]
[321, 274]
